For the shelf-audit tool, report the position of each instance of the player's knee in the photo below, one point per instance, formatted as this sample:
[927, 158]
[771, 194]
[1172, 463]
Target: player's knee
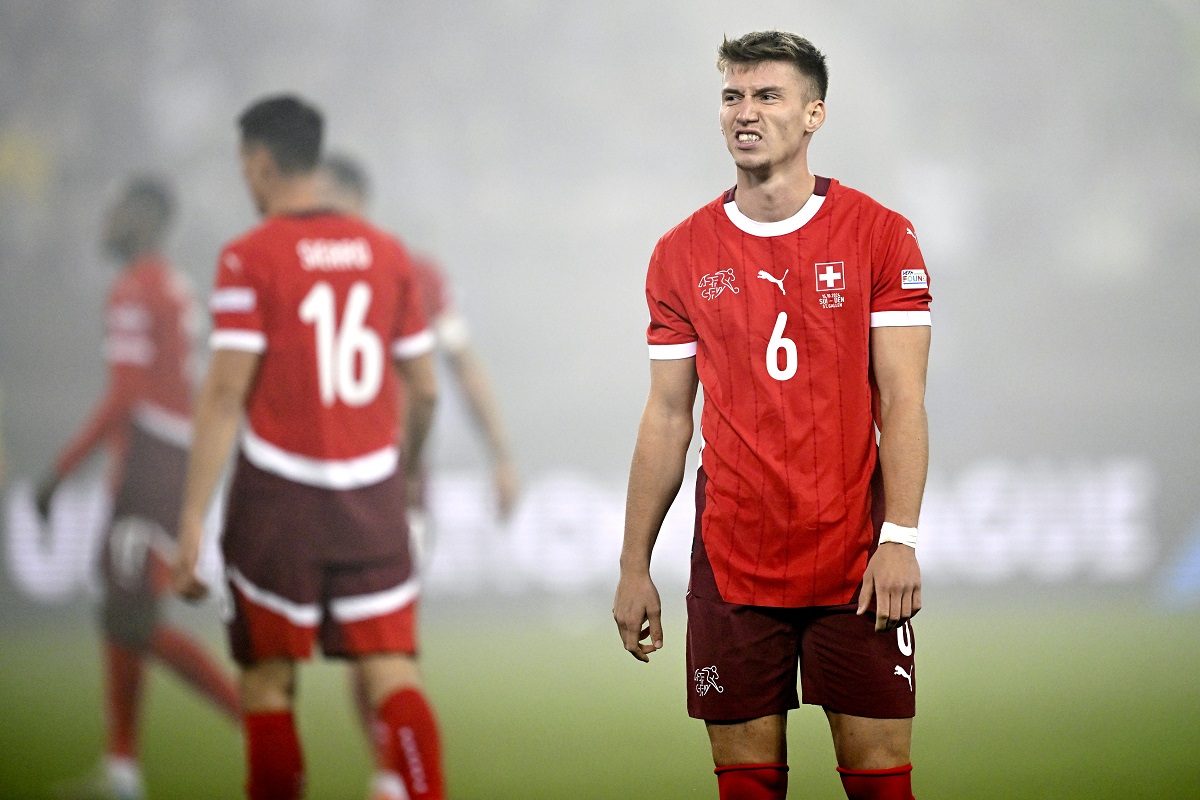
[268, 686]
[387, 673]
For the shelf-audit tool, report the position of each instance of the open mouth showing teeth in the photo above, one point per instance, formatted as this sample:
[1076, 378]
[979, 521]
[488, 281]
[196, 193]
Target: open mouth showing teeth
[748, 137]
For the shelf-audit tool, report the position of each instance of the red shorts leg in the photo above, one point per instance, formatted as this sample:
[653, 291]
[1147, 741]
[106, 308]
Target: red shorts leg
[370, 609]
[848, 668]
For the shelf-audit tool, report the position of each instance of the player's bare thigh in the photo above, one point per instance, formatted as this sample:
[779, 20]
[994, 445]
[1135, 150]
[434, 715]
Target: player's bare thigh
[866, 743]
[762, 740]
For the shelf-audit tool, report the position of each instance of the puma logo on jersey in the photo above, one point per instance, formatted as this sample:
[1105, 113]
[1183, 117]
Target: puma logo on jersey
[334, 254]
[706, 678]
[909, 231]
[712, 285]
[906, 675]
[762, 273]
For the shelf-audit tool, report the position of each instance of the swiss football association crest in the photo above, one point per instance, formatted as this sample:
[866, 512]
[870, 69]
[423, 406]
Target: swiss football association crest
[712, 285]
[706, 678]
[831, 276]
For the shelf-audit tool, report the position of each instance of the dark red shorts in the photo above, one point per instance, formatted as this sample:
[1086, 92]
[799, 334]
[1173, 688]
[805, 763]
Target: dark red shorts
[742, 660]
[140, 541]
[305, 563]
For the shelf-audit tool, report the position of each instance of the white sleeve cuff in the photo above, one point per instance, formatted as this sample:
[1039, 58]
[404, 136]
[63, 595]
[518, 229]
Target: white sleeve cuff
[900, 319]
[671, 352]
[249, 341]
[416, 345]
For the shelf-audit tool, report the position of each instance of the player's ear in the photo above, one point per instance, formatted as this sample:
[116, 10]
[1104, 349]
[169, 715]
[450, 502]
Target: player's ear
[814, 115]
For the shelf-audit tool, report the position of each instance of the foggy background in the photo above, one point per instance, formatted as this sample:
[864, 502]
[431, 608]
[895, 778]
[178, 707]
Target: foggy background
[1045, 152]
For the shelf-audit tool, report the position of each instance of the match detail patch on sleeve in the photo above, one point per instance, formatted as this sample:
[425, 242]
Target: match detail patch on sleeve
[913, 279]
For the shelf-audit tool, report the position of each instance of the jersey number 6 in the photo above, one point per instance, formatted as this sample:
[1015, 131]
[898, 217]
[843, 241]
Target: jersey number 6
[340, 350]
[780, 342]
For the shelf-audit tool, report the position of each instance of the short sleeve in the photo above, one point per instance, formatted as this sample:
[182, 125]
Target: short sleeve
[900, 290]
[236, 307]
[670, 334]
[411, 334]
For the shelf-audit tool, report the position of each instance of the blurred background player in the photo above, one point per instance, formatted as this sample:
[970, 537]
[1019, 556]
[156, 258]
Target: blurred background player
[802, 308]
[143, 418]
[343, 185]
[317, 322]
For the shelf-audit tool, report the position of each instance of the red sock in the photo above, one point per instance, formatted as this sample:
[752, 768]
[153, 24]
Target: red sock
[275, 764]
[752, 781]
[894, 783]
[124, 695]
[412, 735]
[192, 663]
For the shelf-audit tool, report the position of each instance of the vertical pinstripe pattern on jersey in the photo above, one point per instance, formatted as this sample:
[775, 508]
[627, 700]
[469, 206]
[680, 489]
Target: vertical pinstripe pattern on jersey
[784, 243]
[707, 349]
[837, 346]
[815, 524]
[740, 261]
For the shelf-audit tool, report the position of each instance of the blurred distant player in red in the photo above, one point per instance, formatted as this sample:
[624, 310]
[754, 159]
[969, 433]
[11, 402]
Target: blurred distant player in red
[144, 418]
[317, 321]
[342, 185]
[802, 308]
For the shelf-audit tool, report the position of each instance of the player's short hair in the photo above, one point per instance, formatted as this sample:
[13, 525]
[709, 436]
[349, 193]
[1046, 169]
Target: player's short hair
[288, 127]
[347, 173]
[153, 201]
[759, 46]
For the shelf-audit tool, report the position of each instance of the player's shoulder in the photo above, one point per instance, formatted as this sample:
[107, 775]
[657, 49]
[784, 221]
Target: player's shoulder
[848, 199]
[680, 235]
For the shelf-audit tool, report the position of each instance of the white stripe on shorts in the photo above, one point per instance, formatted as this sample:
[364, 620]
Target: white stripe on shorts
[306, 615]
[376, 604]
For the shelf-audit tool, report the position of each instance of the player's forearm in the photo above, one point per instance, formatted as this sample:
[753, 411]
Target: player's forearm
[654, 480]
[125, 386]
[419, 420]
[215, 426]
[473, 379]
[904, 456]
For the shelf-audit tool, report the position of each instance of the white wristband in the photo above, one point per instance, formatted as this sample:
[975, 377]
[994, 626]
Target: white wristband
[891, 532]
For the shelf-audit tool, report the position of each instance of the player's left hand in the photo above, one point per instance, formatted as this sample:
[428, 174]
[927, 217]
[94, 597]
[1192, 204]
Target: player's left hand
[184, 580]
[508, 487]
[45, 493]
[893, 578]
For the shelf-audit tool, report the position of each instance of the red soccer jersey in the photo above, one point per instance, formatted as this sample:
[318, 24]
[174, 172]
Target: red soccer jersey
[150, 321]
[778, 317]
[328, 300]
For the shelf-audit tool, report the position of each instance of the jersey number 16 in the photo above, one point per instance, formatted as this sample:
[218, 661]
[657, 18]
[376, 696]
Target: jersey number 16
[341, 349]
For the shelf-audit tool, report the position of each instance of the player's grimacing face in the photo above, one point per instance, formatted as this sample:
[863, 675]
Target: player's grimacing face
[766, 113]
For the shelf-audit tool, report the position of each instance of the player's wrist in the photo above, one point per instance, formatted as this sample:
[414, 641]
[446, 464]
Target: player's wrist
[891, 532]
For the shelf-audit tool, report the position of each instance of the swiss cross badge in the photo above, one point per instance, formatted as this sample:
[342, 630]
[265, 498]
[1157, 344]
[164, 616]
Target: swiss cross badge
[831, 276]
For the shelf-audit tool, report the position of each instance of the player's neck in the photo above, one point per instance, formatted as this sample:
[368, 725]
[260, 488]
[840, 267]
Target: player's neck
[774, 196]
[296, 195]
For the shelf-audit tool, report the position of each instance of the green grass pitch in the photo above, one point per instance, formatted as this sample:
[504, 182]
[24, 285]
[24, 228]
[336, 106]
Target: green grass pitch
[1025, 704]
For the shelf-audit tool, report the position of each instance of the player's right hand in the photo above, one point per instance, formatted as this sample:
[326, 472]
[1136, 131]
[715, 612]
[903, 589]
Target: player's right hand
[638, 614]
[183, 569]
[45, 493]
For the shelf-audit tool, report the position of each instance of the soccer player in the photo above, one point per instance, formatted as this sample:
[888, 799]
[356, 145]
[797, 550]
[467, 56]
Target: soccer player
[317, 320]
[144, 419]
[342, 185]
[802, 308]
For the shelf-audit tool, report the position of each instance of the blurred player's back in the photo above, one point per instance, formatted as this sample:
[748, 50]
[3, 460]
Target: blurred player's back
[326, 290]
